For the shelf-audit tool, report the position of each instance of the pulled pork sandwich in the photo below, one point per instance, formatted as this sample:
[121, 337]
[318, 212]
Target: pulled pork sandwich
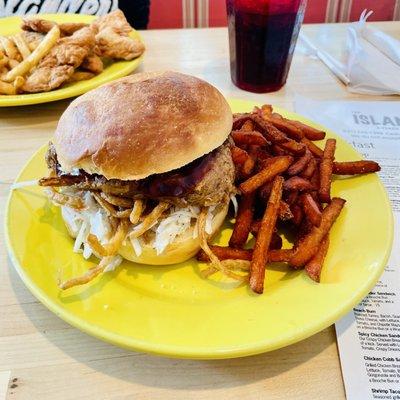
[142, 169]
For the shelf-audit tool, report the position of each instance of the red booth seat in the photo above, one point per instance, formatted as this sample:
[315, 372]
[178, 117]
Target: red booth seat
[203, 13]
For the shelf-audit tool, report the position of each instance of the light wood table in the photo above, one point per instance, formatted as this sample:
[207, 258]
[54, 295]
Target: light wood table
[41, 357]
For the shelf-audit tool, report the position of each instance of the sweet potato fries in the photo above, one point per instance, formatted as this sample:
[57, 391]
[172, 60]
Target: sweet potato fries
[284, 182]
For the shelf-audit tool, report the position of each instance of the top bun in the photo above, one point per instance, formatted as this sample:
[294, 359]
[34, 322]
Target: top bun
[143, 124]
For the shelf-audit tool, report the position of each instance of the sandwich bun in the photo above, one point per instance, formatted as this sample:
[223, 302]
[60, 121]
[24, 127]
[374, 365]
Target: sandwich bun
[143, 124]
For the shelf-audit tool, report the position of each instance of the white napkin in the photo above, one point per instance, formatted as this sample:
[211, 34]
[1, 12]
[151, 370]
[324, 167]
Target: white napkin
[372, 63]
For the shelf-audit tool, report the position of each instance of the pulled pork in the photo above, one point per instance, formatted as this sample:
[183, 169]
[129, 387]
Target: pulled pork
[206, 181]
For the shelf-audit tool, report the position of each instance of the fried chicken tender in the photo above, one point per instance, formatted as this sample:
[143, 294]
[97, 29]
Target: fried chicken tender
[112, 45]
[59, 65]
[93, 63]
[45, 79]
[115, 20]
[44, 26]
[32, 38]
[70, 50]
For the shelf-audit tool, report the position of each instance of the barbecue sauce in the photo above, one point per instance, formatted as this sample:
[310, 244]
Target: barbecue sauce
[175, 183]
[179, 182]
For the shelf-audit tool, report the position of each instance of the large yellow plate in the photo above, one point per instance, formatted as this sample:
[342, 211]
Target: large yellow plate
[118, 69]
[171, 310]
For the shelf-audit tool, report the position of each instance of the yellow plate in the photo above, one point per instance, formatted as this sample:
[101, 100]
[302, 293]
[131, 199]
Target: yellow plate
[118, 69]
[171, 310]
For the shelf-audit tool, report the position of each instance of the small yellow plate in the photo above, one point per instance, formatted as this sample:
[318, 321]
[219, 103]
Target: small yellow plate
[115, 70]
[171, 310]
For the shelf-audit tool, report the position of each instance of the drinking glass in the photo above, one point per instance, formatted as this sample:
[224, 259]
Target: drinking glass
[262, 38]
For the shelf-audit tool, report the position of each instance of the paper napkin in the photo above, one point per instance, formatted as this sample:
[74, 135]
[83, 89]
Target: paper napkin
[372, 63]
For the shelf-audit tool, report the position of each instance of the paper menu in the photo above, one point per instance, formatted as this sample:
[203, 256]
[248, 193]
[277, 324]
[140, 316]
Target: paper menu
[369, 336]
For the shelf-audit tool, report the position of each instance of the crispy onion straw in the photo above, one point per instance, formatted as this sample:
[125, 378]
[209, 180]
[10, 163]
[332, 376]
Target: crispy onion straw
[107, 252]
[118, 201]
[112, 247]
[240, 265]
[136, 212]
[149, 220]
[216, 264]
[109, 208]
[87, 277]
[65, 200]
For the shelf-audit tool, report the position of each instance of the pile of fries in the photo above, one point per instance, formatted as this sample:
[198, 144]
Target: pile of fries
[284, 180]
[17, 58]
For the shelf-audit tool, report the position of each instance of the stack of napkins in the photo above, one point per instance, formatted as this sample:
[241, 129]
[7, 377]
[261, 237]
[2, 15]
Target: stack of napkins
[372, 63]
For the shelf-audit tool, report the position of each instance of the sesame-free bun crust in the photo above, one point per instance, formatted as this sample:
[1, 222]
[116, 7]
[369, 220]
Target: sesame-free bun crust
[143, 124]
[183, 248]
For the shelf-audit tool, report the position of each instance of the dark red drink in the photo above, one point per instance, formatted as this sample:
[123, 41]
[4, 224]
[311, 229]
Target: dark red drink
[262, 38]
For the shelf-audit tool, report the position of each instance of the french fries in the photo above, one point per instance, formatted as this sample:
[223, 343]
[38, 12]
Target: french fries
[285, 214]
[275, 136]
[265, 190]
[314, 266]
[274, 167]
[7, 88]
[298, 184]
[355, 167]
[248, 137]
[18, 82]
[308, 172]
[243, 222]
[239, 120]
[297, 213]
[34, 58]
[260, 252]
[12, 63]
[248, 126]
[288, 166]
[239, 156]
[248, 167]
[279, 122]
[309, 245]
[276, 241]
[292, 197]
[300, 164]
[9, 48]
[285, 126]
[315, 150]
[3, 60]
[309, 132]
[311, 209]
[22, 46]
[325, 171]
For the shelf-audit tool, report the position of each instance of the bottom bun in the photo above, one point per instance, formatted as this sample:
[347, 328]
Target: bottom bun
[183, 248]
